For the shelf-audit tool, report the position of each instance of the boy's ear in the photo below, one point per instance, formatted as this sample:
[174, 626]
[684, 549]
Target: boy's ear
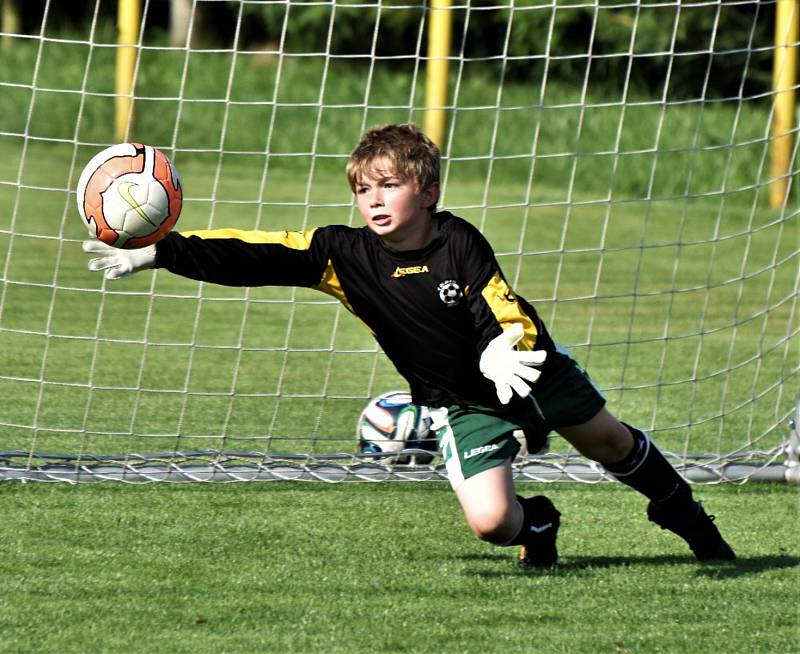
[430, 196]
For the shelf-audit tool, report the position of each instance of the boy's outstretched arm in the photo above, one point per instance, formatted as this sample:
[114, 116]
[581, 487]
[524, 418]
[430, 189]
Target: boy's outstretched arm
[226, 256]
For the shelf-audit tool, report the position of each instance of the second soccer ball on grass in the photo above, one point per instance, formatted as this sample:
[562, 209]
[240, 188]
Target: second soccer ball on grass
[392, 423]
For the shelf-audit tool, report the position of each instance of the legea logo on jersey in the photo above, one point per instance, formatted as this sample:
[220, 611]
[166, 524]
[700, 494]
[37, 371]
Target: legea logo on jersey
[410, 270]
[450, 292]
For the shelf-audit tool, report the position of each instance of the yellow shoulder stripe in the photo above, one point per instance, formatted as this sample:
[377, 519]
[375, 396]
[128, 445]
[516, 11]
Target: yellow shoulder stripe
[294, 240]
[503, 303]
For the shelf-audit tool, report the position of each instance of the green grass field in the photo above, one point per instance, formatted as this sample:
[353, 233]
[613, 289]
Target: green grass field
[644, 241]
[349, 568]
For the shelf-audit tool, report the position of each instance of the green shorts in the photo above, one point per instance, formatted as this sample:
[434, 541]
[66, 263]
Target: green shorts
[474, 438]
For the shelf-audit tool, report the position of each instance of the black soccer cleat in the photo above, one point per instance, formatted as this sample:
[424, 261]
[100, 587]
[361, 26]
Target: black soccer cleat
[542, 520]
[698, 530]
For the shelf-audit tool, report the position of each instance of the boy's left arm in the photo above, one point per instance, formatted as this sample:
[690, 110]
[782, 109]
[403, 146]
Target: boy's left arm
[508, 332]
[495, 307]
[508, 368]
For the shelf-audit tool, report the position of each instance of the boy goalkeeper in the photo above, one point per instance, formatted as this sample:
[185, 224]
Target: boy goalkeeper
[470, 348]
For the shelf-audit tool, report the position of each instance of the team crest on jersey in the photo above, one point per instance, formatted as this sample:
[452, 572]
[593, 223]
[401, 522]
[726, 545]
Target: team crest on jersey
[450, 292]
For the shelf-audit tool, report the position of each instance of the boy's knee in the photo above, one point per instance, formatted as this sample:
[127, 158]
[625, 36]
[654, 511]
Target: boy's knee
[492, 526]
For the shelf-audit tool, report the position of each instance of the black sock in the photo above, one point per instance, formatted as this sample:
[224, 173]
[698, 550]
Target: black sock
[523, 528]
[536, 511]
[646, 470]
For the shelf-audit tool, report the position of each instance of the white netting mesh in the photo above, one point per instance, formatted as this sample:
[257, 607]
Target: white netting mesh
[617, 155]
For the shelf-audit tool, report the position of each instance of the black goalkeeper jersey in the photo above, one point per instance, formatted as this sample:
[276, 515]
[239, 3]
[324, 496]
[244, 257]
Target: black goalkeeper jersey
[432, 310]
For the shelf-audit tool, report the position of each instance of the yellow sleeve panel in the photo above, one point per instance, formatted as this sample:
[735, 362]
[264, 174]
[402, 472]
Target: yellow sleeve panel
[331, 285]
[503, 303]
[292, 240]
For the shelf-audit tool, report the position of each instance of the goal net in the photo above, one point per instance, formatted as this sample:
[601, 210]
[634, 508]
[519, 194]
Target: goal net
[619, 156]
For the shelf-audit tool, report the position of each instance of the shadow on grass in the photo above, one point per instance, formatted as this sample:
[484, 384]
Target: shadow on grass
[572, 564]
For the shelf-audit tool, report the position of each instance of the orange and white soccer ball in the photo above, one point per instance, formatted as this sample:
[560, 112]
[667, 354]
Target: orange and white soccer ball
[129, 195]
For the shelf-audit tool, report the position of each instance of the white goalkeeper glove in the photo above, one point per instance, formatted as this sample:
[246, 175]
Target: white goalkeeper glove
[115, 262]
[508, 368]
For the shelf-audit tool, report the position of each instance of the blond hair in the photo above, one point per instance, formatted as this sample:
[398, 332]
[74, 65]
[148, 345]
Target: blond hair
[409, 152]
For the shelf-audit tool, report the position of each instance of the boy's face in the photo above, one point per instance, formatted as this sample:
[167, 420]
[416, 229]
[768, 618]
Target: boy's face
[394, 210]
